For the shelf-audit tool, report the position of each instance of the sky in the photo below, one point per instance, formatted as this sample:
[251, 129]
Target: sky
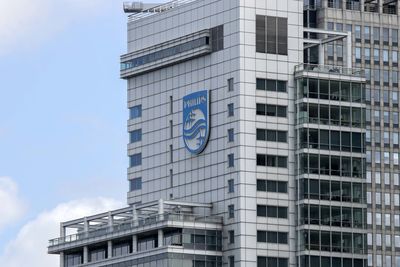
[63, 119]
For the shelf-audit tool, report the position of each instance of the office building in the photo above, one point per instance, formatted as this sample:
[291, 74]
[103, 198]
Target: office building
[253, 139]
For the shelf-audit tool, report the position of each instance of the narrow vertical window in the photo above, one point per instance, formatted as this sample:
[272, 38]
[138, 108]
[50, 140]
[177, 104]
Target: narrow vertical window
[171, 153]
[171, 105]
[260, 34]
[231, 211]
[230, 135]
[171, 178]
[231, 160]
[231, 111]
[282, 36]
[230, 84]
[271, 35]
[171, 129]
[231, 186]
[231, 234]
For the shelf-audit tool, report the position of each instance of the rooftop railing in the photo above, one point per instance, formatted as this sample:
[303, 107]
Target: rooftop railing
[130, 225]
[158, 9]
[330, 69]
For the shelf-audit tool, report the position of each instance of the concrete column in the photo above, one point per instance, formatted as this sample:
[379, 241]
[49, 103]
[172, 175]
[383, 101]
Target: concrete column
[61, 259]
[349, 60]
[160, 238]
[109, 249]
[134, 216]
[134, 243]
[321, 54]
[161, 209]
[85, 254]
[85, 226]
[110, 221]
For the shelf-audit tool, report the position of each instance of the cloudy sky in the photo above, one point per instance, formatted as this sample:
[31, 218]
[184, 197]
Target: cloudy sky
[62, 120]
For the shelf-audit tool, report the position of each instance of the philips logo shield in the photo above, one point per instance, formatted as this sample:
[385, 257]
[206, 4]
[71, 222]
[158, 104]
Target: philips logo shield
[196, 125]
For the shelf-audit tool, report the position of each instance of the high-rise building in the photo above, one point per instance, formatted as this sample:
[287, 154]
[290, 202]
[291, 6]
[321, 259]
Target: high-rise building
[254, 140]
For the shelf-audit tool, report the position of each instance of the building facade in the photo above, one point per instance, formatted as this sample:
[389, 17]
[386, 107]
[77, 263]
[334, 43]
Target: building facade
[253, 139]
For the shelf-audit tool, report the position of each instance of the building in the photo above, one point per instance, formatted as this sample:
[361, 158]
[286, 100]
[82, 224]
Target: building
[254, 140]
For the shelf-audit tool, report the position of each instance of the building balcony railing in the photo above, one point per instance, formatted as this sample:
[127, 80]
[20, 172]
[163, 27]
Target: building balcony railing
[329, 69]
[131, 225]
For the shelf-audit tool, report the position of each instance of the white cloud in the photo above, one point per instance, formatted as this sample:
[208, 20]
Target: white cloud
[27, 23]
[29, 248]
[11, 206]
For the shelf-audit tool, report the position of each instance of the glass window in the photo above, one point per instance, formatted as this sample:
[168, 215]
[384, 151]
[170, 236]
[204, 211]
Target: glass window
[231, 110]
[230, 84]
[376, 35]
[395, 57]
[136, 136]
[357, 31]
[231, 211]
[394, 37]
[231, 136]
[231, 186]
[385, 35]
[367, 54]
[135, 160]
[231, 160]
[376, 55]
[135, 184]
[367, 33]
[357, 52]
[385, 55]
[395, 77]
[135, 112]
[260, 34]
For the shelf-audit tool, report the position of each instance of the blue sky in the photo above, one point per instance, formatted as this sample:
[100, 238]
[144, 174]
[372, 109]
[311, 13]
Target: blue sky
[62, 105]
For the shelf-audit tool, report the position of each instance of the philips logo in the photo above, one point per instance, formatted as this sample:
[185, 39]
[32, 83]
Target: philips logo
[196, 121]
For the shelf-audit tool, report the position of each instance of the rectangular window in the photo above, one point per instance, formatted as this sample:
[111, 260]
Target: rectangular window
[231, 211]
[271, 160]
[271, 85]
[271, 135]
[272, 261]
[135, 112]
[395, 58]
[171, 129]
[395, 37]
[171, 105]
[272, 237]
[135, 136]
[217, 38]
[231, 160]
[271, 186]
[171, 178]
[231, 260]
[376, 35]
[271, 35]
[385, 36]
[271, 110]
[272, 211]
[230, 84]
[135, 184]
[231, 136]
[231, 234]
[231, 186]
[367, 34]
[135, 160]
[231, 110]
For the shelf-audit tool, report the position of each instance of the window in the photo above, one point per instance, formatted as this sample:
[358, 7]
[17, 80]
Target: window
[231, 136]
[271, 85]
[376, 35]
[367, 55]
[272, 211]
[231, 211]
[367, 34]
[272, 261]
[357, 33]
[231, 110]
[272, 237]
[217, 38]
[271, 135]
[357, 52]
[171, 105]
[231, 260]
[171, 178]
[231, 160]
[231, 235]
[135, 184]
[135, 160]
[271, 110]
[271, 186]
[230, 84]
[395, 79]
[171, 154]
[135, 136]
[271, 160]
[376, 55]
[135, 112]
[231, 186]
[271, 35]
[385, 55]
[395, 37]
[395, 58]
[385, 36]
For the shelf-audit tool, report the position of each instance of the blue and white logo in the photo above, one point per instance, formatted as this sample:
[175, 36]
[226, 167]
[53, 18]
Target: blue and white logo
[196, 126]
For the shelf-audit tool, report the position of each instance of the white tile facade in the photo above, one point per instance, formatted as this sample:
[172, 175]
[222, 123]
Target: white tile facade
[204, 178]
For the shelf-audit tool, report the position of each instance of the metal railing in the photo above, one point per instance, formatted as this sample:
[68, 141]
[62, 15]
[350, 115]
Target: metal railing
[130, 225]
[158, 9]
[330, 69]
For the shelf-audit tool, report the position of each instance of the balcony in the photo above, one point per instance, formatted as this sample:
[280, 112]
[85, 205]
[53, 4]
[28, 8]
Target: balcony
[332, 70]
